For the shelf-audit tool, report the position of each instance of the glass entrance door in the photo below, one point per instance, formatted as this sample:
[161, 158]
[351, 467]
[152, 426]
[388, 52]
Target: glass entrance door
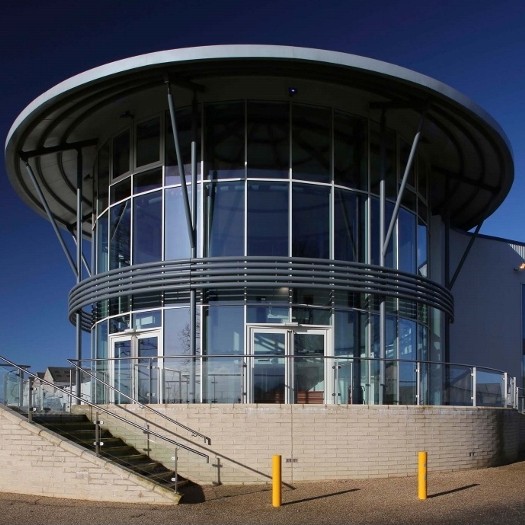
[287, 365]
[135, 371]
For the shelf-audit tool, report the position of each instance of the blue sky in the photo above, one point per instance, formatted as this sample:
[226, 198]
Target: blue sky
[475, 46]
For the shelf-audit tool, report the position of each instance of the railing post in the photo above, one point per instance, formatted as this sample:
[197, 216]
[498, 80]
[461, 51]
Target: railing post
[418, 382]
[30, 399]
[98, 443]
[175, 478]
[21, 389]
[474, 386]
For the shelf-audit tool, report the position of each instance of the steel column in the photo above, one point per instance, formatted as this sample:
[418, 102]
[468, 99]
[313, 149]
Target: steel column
[382, 253]
[78, 386]
[49, 215]
[182, 173]
[403, 183]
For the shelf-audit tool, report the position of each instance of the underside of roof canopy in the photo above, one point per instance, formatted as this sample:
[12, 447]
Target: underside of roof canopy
[470, 158]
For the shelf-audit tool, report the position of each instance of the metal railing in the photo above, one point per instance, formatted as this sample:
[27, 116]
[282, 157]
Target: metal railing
[123, 396]
[281, 378]
[21, 387]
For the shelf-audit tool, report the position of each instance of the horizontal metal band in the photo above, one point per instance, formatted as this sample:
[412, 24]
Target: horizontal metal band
[263, 272]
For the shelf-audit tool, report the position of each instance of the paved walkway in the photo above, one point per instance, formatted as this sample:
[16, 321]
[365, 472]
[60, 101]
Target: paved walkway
[474, 497]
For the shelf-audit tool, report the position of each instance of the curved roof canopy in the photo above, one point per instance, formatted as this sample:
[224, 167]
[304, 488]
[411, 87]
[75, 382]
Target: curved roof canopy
[470, 157]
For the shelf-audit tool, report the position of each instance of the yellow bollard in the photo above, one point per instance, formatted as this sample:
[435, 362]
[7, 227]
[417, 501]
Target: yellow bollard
[422, 475]
[276, 481]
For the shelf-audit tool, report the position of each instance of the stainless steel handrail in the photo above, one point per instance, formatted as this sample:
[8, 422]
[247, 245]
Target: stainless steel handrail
[144, 429]
[193, 432]
[421, 368]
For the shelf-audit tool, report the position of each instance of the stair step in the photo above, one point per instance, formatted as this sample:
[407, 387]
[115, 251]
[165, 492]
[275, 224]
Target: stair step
[80, 430]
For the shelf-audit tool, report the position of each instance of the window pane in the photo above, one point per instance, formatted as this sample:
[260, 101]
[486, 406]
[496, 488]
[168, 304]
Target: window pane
[407, 241]
[375, 243]
[225, 141]
[147, 228]
[177, 239]
[225, 206]
[119, 235]
[102, 244]
[187, 122]
[267, 314]
[121, 147]
[144, 320]
[422, 247]
[148, 142]
[376, 164]
[146, 181]
[350, 151]
[310, 221]
[311, 143]
[268, 140]
[176, 332]
[103, 177]
[347, 245]
[268, 218]
[224, 330]
[121, 190]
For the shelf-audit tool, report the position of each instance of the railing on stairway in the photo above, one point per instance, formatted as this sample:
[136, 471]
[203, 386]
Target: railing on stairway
[106, 384]
[17, 393]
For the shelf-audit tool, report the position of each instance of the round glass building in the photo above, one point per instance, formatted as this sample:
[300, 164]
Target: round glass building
[267, 224]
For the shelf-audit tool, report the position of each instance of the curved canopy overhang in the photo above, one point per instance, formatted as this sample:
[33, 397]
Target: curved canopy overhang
[470, 157]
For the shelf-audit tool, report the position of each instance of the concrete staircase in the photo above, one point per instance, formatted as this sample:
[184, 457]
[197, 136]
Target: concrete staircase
[80, 430]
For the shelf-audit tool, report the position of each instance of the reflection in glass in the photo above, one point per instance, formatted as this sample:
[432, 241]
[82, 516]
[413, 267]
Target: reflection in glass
[119, 235]
[376, 164]
[422, 249]
[267, 314]
[375, 242]
[311, 143]
[267, 218]
[347, 241]
[269, 367]
[148, 142]
[224, 139]
[121, 151]
[310, 221]
[147, 369]
[225, 206]
[148, 180]
[122, 371]
[268, 139]
[350, 151]
[224, 330]
[120, 190]
[177, 243]
[102, 251]
[407, 241]
[309, 368]
[224, 380]
[103, 177]
[147, 228]
[188, 127]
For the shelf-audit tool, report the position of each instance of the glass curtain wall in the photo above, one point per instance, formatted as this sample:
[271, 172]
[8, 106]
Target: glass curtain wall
[275, 179]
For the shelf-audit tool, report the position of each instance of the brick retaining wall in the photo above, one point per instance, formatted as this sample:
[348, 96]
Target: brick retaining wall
[321, 442]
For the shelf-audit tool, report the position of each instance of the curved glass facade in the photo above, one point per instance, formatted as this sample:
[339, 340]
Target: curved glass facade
[278, 183]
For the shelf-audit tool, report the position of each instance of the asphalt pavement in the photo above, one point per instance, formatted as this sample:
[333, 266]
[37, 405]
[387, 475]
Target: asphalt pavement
[494, 496]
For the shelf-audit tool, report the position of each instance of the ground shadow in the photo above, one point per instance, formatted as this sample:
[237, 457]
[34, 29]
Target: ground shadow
[192, 493]
[459, 489]
[319, 497]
